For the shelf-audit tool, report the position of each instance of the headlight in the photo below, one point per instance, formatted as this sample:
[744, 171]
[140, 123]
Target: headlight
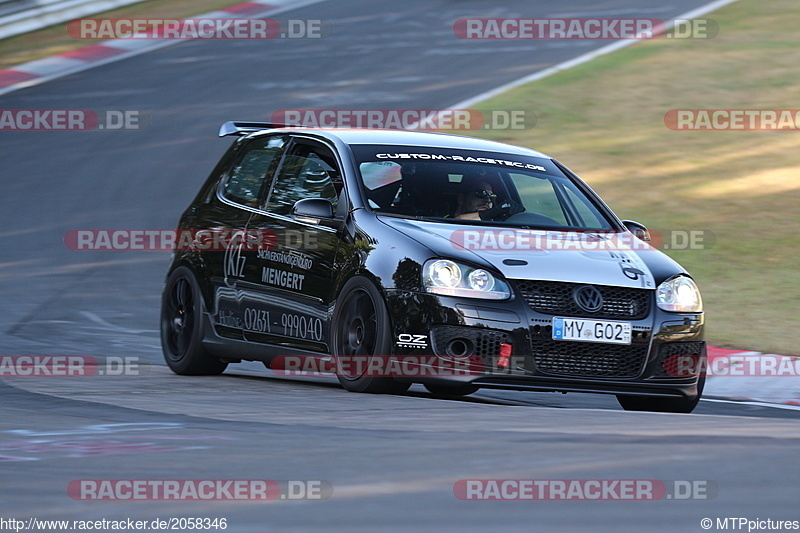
[680, 295]
[442, 276]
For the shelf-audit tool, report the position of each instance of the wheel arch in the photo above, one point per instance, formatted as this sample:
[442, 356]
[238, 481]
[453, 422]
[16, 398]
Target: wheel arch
[373, 279]
[198, 268]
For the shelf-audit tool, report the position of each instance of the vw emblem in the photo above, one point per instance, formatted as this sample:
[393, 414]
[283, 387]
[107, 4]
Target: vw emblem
[588, 298]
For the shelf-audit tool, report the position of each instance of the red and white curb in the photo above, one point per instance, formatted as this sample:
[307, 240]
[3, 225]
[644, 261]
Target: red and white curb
[731, 376]
[41, 70]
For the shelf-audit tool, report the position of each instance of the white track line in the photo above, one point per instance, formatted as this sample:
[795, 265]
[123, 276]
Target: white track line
[757, 404]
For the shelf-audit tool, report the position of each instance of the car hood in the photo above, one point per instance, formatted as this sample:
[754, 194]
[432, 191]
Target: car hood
[617, 259]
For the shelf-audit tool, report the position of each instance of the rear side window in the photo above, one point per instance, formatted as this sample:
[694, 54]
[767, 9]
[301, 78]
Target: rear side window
[306, 172]
[253, 170]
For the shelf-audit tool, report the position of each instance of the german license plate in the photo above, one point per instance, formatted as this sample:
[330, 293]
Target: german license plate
[579, 329]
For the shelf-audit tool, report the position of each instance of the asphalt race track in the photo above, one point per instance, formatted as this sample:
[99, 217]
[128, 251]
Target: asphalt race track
[390, 462]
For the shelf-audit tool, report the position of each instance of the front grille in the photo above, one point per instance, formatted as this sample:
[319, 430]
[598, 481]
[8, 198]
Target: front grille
[679, 359]
[555, 298]
[588, 359]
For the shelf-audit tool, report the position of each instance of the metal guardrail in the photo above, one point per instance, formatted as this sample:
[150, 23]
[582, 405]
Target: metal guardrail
[22, 16]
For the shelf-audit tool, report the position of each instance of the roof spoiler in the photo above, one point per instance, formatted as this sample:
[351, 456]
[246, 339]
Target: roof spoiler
[236, 127]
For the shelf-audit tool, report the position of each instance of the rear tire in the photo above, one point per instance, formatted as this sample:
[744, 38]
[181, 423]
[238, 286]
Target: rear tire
[662, 405]
[361, 330]
[182, 327]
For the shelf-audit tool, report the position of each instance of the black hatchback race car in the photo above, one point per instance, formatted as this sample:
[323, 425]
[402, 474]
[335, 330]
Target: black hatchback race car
[395, 257]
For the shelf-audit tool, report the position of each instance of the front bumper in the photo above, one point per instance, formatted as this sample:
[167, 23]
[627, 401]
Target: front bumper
[664, 357]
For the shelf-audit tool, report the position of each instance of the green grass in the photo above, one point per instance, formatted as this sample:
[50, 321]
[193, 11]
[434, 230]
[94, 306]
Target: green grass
[605, 119]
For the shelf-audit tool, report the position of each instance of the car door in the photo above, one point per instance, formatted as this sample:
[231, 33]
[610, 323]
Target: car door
[289, 285]
[239, 195]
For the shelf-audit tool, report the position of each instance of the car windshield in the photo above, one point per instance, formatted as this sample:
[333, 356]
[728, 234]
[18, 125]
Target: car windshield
[481, 187]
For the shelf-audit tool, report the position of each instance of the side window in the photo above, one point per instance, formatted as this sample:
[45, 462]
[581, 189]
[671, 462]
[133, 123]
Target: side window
[254, 169]
[307, 172]
[590, 216]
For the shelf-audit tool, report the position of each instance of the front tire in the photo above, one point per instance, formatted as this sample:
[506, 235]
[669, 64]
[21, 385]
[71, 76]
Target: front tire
[362, 331]
[182, 314]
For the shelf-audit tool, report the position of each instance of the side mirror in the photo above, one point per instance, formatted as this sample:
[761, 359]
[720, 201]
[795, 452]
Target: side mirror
[639, 230]
[314, 211]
